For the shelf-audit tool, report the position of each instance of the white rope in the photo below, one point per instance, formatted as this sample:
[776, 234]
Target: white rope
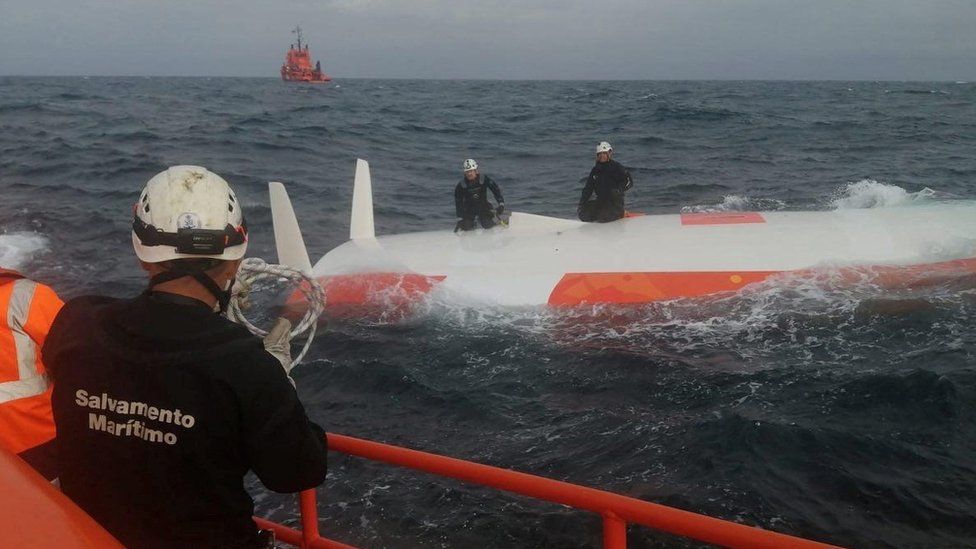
[254, 269]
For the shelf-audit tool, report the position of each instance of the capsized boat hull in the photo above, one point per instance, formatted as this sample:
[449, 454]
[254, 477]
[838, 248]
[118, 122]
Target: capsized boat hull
[538, 260]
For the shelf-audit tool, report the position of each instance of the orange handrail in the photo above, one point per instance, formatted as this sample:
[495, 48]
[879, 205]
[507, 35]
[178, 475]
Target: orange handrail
[617, 511]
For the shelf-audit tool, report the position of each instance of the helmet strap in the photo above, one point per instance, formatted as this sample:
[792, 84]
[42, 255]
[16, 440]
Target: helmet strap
[222, 296]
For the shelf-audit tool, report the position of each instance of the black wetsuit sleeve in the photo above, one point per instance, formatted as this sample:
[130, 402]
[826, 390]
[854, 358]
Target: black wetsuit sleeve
[626, 182]
[587, 189]
[459, 200]
[285, 449]
[495, 190]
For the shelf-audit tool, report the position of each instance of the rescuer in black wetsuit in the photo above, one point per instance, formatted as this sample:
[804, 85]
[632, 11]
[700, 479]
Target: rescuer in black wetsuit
[161, 404]
[609, 180]
[471, 199]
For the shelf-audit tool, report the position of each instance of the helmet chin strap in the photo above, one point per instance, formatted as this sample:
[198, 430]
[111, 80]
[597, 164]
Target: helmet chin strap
[222, 296]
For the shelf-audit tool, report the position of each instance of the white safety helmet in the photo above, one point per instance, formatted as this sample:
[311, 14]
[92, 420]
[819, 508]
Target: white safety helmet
[188, 212]
[469, 165]
[604, 147]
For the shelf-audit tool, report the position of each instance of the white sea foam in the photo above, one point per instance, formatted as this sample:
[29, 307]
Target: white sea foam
[868, 193]
[798, 317]
[16, 249]
[737, 203]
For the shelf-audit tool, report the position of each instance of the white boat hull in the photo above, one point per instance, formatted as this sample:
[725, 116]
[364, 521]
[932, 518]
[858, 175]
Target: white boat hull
[538, 260]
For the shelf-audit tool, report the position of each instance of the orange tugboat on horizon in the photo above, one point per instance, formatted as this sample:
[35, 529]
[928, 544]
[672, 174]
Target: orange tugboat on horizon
[298, 64]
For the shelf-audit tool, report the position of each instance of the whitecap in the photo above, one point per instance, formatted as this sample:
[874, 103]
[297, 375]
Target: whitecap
[16, 249]
[868, 193]
[738, 203]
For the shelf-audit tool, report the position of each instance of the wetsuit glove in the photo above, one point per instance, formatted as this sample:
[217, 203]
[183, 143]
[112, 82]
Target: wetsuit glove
[500, 209]
[278, 343]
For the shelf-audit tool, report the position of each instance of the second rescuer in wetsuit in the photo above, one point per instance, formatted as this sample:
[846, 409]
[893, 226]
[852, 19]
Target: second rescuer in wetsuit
[609, 180]
[162, 405]
[471, 198]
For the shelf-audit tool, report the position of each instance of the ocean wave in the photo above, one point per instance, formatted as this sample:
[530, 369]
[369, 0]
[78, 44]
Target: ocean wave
[68, 96]
[917, 92]
[832, 315]
[16, 249]
[425, 129]
[651, 140]
[737, 203]
[683, 188]
[868, 193]
[112, 167]
[704, 114]
[22, 107]
[921, 395]
[521, 117]
[258, 121]
[311, 109]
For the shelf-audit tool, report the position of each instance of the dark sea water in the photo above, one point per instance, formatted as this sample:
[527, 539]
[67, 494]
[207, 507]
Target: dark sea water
[841, 413]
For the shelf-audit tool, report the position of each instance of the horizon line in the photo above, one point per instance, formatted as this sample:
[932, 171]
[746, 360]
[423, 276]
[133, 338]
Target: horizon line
[458, 79]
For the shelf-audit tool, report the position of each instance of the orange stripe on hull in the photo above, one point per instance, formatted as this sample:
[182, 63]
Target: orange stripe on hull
[721, 218]
[578, 288]
[362, 292]
[637, 287]
[386, 293]
[914, 275]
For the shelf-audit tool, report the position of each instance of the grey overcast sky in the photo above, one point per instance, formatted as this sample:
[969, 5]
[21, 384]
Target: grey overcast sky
[517, 39]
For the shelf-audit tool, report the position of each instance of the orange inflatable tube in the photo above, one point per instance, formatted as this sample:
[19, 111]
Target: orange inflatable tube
[35, 514]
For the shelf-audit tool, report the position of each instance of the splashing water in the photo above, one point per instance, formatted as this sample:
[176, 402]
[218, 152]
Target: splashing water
[868, 193]
[738, 203]
[16, 249]
[798, 318]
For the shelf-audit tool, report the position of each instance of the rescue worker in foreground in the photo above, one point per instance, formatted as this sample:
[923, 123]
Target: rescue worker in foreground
[471, 199]
[162, 404]
[27, 310]
[609, 180]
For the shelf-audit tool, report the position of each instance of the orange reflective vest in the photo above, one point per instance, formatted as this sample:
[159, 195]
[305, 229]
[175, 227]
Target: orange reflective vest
[27, 310]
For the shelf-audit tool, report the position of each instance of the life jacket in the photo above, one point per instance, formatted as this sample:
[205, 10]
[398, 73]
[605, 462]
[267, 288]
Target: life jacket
[27, 310]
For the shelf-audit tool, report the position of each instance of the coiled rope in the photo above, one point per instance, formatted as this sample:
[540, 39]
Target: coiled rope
[254, 269]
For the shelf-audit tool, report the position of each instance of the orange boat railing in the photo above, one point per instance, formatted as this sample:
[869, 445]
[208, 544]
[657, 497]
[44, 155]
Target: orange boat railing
[617, 511]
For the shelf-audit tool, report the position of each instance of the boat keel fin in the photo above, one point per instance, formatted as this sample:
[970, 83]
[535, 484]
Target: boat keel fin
[288, 236]
[361, 221]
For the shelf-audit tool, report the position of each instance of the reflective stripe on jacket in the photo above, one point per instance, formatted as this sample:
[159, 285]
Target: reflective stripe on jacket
[27, 310]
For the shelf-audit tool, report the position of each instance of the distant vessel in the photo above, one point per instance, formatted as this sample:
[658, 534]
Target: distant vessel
[298, 64]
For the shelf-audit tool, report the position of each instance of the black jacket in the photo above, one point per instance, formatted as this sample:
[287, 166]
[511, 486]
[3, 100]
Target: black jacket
[161, 410]
[609, 180]
[471, 199]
